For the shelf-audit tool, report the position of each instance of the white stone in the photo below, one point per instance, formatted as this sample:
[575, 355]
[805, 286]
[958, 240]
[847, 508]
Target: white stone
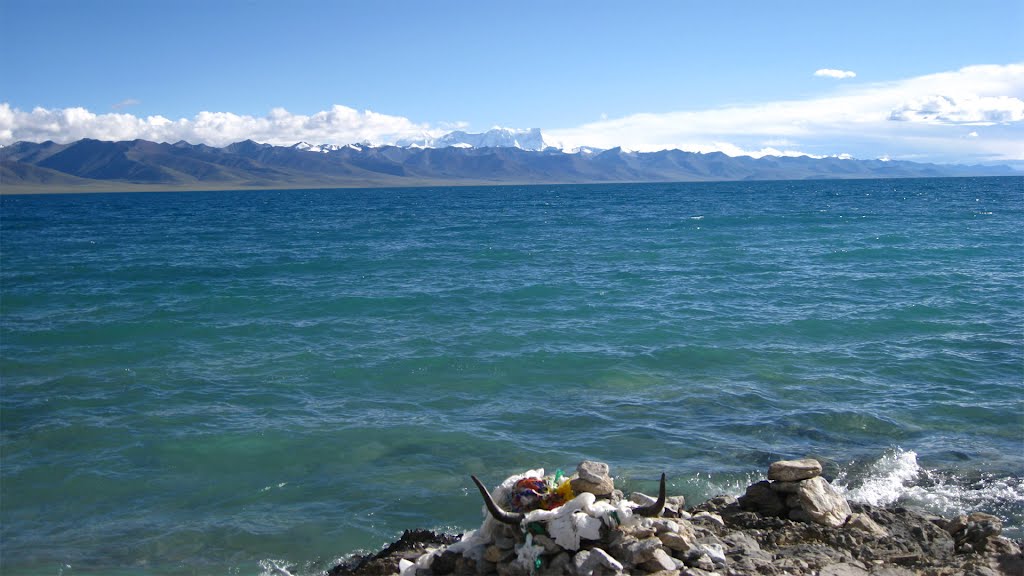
[822, 503]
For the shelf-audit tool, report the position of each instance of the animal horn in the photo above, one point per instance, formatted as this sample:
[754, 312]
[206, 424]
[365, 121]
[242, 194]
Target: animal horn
[500, 515]
[659, 504]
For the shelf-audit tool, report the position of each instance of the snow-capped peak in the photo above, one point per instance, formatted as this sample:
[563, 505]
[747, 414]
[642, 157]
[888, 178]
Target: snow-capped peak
[322, 148]
[529, 139]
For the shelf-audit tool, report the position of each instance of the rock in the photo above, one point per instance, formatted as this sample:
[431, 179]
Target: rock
[445, 563]
[864, 523]
[714, 551]
[708, 519]
[786, 487]
[793, 470]
[550, 546]
[972, 532]
[586, 561]
[843, 570]
[641, 498]
[799, 515]
[641, 551]
[662, 525]
[741, 544]
[592, 471]
[822, 503]
[560, 562]
[699, 560]
[675, 542]
[593, 477]
[675, 507]
[762, 499]
[660, 561]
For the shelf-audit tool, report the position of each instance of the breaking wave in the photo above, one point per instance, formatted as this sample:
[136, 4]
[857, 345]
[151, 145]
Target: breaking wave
[898, 478]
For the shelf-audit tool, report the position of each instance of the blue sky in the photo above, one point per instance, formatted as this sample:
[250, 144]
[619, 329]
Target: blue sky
[630, 73]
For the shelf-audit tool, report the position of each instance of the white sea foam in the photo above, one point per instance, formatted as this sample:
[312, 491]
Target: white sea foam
[897, 477]
[887, 479]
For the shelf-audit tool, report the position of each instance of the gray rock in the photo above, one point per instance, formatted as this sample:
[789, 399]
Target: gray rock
[762, 499]
[793, 470]
[592, 471]
[709, 519]
[822, 503]
[560, 562]
[699, 560]
[786, 487]
[641, 551]
[714, 551]
[843, 570]
[550, 546]
[864, 523]
[587, 561]
[740, 544]
[641, 498]
[973, 532]
[675, 542]
[659, 561]
[662, 525]
[799, 515]
[593, 477]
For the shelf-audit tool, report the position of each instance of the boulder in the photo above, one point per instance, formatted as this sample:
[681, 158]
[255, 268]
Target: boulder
[794, 470]
[587, 561]
[762, 499]
[822, 503]
[593, 477]
[660, 561]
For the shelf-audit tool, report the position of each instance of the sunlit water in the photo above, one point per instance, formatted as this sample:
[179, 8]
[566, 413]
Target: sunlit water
[198, 383]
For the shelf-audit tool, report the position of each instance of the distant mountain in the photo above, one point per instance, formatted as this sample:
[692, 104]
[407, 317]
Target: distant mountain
[530, 139]
[138, 164]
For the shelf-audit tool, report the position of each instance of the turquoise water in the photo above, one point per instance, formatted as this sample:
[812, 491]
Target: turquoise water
[198, 383]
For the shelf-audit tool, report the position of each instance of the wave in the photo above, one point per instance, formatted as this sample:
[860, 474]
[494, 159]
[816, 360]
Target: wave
[896, 478]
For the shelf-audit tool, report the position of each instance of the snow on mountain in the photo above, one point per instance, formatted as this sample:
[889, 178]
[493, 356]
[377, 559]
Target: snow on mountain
[528, 139]
[322, 148]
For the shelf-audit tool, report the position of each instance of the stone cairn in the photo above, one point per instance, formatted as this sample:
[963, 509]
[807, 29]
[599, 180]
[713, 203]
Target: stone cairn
[794, 523]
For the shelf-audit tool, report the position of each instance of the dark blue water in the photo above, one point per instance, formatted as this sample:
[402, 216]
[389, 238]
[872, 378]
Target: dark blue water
[198, 382]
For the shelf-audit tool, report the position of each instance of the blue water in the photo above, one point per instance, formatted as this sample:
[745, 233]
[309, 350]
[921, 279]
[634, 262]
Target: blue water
[197, 383]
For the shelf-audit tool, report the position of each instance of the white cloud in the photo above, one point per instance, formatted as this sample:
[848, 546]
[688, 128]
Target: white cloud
[833, 73]
[338, 125]
[858, 119]
[968, 109]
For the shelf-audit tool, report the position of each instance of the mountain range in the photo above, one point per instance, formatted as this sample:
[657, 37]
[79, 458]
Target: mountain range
[497, 157]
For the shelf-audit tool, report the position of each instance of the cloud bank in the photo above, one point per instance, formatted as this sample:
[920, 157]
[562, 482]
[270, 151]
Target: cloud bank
[925, 118]
[975, 114]
[339, 125]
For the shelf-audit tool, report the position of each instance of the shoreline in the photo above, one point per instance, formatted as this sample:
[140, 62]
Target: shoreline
[795, 524]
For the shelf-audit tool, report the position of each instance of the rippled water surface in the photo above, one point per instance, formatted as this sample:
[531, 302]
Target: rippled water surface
[198, 382]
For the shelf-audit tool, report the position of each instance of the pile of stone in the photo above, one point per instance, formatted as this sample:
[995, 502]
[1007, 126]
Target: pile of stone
[794, 523]
[796, 490]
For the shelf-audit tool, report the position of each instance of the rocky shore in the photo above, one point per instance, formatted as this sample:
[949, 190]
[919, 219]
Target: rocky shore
[794, 523]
